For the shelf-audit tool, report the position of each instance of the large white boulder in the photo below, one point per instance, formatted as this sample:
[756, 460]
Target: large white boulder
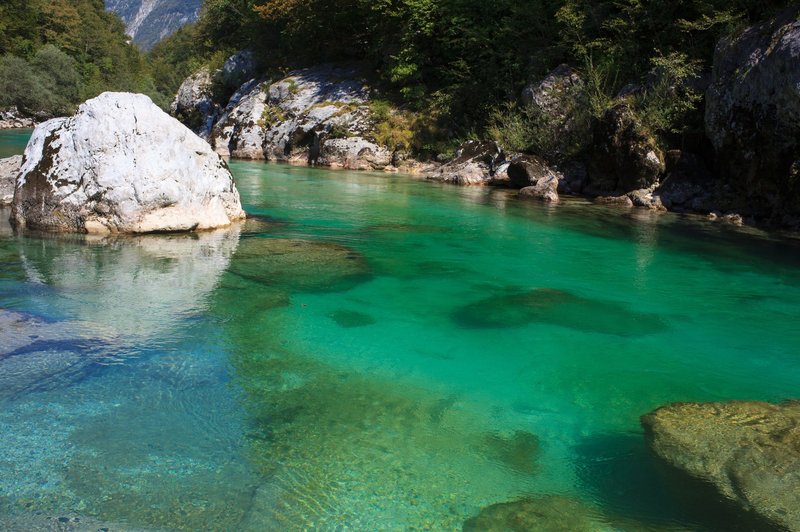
[122, 165]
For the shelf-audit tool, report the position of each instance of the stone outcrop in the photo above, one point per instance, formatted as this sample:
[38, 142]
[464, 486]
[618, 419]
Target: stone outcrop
[475, 163]
[121, 165]
[623, 157]
[753, 114]
[194, 104]
[9, 168]
[353, 153]
[749, 452]
[318, 115]
[197, 103]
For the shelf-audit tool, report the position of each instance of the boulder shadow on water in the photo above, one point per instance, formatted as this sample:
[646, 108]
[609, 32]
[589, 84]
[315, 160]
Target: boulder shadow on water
[625, 479]
[299, 265]
[556, 307]
[349, 319]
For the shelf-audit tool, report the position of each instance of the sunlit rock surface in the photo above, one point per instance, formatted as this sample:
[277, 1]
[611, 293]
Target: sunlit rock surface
[122, 165]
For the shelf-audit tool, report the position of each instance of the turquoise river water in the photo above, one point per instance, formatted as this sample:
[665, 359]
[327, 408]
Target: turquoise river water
[374, 352]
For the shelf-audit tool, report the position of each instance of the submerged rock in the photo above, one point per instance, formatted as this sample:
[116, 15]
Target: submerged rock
[9, 169]
[748, 451]
[121, 165]
[349, 319]
[753, 114]
[299, 265]
[518, 451]
[556, 307]
[475, 163]
[554, 513]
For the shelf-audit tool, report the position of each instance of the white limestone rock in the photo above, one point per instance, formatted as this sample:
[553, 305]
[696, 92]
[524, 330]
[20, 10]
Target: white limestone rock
[122, 165]
[318, 115]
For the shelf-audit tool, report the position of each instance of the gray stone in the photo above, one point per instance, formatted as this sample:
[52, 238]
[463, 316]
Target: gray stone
[11, 118]
[475, 163]
[194, 104]
[748, 451]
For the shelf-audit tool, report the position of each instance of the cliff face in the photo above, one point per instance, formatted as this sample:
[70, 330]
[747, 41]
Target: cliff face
[149, 21]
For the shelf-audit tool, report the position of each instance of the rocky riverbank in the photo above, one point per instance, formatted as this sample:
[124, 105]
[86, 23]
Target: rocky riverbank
[740, 171]
[12, 119]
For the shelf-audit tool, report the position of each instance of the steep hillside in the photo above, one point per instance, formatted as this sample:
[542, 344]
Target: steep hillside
[149, 21]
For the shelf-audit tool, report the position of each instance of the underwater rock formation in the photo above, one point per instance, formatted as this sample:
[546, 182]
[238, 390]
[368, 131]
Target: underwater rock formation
[748, 451]
[556, 307]
[299, 265]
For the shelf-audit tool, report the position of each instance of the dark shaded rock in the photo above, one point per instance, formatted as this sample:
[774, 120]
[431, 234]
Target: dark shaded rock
[299, 265]
[556, 307]
[748, 451]
[475, 163]
[688, 183]
[623, 157]
[349, 319]
[574, 177]
[9, 169]
[530, 170]
[753, 114]
[549, 93]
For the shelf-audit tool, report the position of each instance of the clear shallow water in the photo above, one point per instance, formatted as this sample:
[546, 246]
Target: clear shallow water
[374, 352]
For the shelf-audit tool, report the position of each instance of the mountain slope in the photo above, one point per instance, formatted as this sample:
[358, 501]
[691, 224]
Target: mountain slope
[149, 21]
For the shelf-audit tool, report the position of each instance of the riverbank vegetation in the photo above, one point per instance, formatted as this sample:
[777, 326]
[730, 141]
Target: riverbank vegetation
[461, 64]
[455, 67]
[55, 54]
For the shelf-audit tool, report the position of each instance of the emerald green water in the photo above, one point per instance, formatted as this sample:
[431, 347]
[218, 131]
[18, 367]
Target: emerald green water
[373, 352]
